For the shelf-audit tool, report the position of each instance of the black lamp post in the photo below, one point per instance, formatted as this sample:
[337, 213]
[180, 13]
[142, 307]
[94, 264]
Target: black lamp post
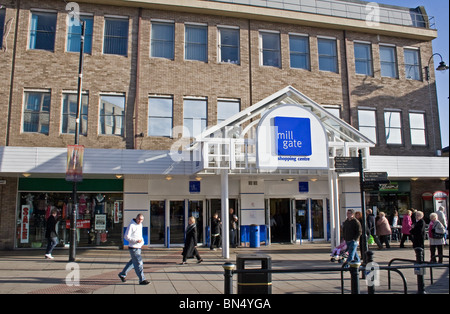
[442, 67]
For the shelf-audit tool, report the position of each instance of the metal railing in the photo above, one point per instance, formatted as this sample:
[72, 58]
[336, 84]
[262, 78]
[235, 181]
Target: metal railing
[355, 271]
[350, 10]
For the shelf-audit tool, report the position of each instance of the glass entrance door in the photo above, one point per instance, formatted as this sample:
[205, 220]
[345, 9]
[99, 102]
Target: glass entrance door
[196, 210]
[176, 218]
[280, 220]
[157, 222]
[317, 220]
[301, 219]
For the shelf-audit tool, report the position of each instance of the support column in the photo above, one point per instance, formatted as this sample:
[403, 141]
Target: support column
[225, 215]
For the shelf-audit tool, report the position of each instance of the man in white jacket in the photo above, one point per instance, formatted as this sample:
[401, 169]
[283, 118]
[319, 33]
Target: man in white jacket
[133, 235]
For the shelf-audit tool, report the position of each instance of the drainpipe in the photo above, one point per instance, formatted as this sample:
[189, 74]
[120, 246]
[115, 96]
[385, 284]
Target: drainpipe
[136, 98]
[13, 66]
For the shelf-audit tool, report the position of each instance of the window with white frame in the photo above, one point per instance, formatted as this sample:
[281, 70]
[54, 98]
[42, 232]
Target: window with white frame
[74, 34]
[363, 59]
[69, 113]
[160, 116]
[194, 116]
[42, 30]
[388, 61]
[196, 42]
[393, 127]
[163, 40]
[417, 127]
[368, 124]
[299, 51]
[412, 64]
[112, 114]
[229, 45]
[116, 36]
[2, 25]
[328, 60]
[270, 49]
[227, 108]
[36, 112]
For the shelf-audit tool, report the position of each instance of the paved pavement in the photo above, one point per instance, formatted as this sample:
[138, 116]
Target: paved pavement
[95, 271]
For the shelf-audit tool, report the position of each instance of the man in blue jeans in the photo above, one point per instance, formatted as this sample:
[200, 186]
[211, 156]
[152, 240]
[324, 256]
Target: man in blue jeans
[352, 231]
[133, 235]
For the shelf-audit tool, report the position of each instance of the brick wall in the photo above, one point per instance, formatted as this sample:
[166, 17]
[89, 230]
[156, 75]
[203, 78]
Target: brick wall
[8, 205]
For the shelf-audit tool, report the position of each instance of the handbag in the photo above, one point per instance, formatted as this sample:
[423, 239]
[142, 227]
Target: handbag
[371, 240]
[436, 235]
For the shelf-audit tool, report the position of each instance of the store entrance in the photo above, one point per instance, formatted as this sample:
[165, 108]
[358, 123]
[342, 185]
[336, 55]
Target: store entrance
[280, 220]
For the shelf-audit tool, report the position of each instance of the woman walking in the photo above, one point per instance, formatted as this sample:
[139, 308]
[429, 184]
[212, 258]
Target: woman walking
[436, 234]
[190, 244]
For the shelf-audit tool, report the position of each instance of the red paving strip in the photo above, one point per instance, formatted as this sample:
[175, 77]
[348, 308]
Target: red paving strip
[93, 283]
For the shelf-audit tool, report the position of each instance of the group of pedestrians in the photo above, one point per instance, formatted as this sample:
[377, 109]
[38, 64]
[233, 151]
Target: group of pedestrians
[380, 230]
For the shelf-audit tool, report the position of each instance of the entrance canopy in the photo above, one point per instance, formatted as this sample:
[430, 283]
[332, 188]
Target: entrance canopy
[233, 143]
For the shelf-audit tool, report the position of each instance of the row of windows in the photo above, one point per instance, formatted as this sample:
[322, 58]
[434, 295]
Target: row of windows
[115, 41]
[36, 116]
[36, 113]
[393, 126]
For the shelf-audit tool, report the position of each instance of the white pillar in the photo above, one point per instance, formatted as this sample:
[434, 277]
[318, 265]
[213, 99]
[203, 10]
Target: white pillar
[225, 215]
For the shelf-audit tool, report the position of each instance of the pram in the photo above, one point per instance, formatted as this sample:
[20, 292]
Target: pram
[339, 253]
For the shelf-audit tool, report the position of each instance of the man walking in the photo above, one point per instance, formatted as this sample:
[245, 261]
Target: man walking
[133, 235]
[352, 231]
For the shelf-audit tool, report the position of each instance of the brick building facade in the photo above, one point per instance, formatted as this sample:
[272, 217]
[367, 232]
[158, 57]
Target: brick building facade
[135, 76]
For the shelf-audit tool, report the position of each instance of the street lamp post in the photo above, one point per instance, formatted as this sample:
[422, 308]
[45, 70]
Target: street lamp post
[442, 67]
[73, 220]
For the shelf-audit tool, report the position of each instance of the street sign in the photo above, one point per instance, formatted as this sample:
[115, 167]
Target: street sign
[378, 177]
[346, 164]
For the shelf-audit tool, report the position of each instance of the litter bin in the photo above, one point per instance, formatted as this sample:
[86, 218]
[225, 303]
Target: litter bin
[254, 283]
[254, 236]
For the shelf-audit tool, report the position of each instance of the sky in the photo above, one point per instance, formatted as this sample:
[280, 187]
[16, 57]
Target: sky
[440, 10]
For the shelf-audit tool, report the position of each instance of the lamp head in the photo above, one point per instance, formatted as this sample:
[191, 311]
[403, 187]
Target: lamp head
[442, 66]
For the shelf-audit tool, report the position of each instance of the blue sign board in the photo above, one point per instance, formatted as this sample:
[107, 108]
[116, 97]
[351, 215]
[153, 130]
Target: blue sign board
[194, 186]
[293, 136]
[303, 187]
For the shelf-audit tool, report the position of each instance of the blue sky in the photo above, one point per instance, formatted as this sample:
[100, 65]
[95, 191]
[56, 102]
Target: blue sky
[440, 10]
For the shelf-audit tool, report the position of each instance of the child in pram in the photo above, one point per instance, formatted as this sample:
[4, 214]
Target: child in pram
[339, 253]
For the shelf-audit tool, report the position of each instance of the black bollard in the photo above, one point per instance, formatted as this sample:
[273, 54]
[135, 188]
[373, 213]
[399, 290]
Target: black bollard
[371, 284]
[420, 271]
[228, 278]
[354, 272]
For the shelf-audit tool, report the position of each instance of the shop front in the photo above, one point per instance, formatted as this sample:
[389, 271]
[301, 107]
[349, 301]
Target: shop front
[99, 216]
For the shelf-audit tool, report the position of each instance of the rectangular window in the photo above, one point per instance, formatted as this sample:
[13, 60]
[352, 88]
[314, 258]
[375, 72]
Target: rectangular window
[196, 43]
[163, 40]
[368, 124]
[229, 45]
[69, 113]
[327, 55]
[74, 35]
[227, 108]
[194, 116]
[36, 112]
[412, 64]
[388, 61]
[299, 51]
[393, 127]
[417, 127]
[270, 49]
[2, 26]
[112, 114]
[160, 115]
[363, 59]
[42, 31]
[116, 36]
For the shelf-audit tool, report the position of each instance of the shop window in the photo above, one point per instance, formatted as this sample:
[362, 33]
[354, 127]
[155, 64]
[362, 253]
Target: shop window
[163, 40]
[229, 45]
[36, 113]
[112, 114]
[196, 43]
[69, 113]
[74, 35]
[42, 31]
[270, 49]
[116, 36]
[299, 51]
[99, 219]
[327, 55]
